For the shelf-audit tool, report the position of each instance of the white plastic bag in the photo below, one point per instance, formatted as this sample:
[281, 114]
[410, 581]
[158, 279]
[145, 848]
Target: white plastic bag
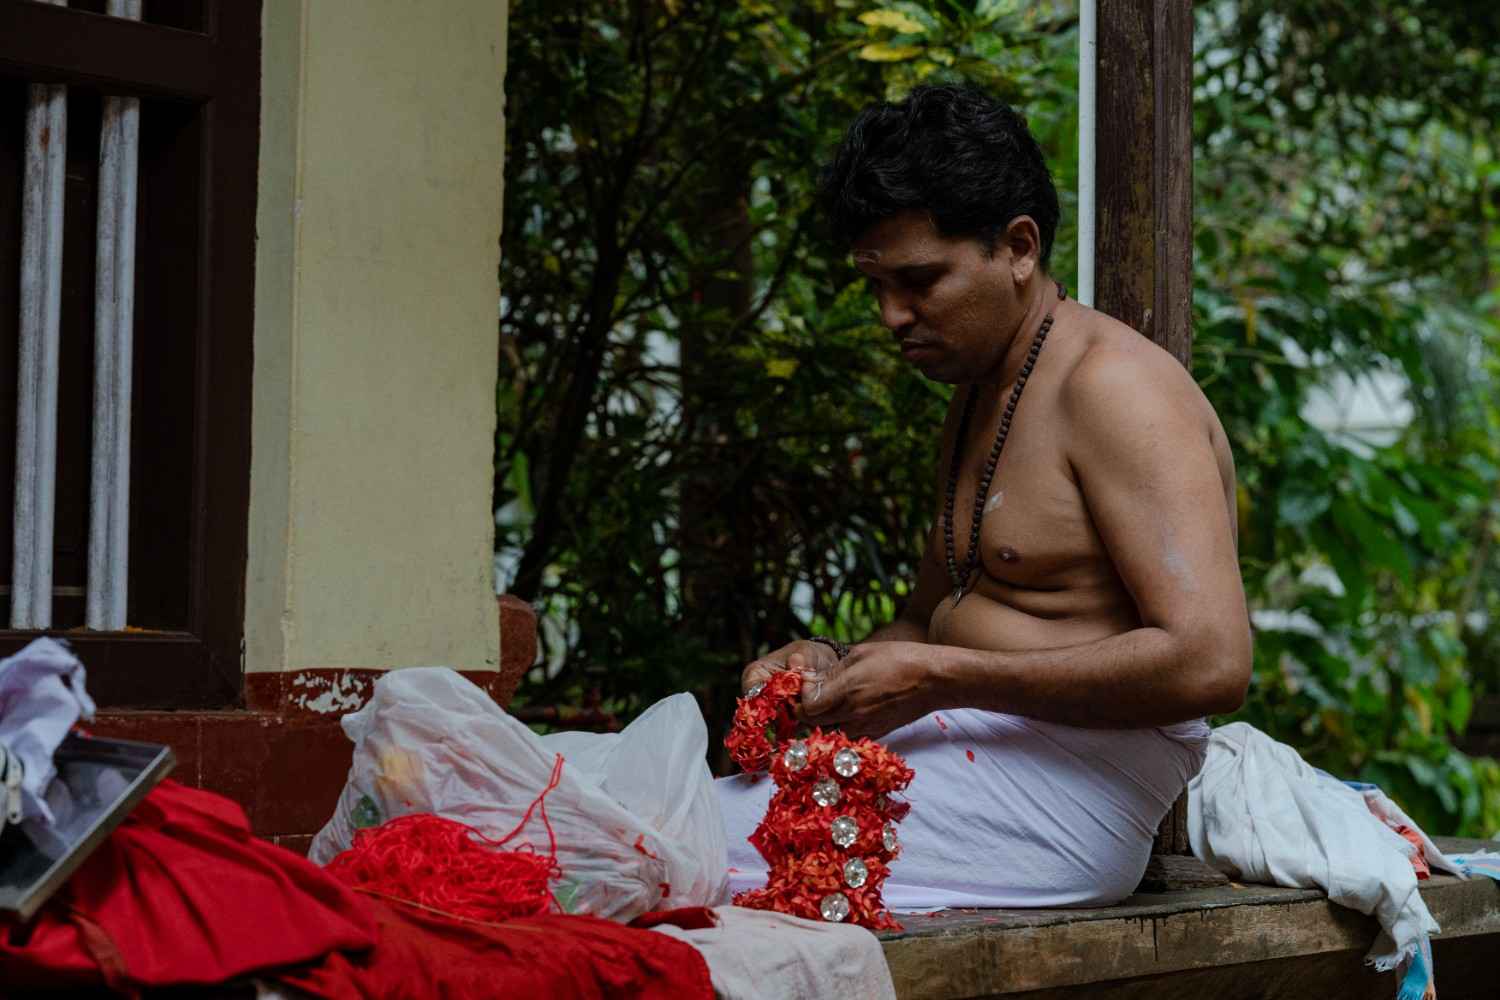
[635, 815]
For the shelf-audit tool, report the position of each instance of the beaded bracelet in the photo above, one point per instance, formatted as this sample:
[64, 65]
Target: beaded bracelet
[839, 648]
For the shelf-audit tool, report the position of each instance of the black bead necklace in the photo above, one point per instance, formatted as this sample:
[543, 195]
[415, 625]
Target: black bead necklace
[961, 580]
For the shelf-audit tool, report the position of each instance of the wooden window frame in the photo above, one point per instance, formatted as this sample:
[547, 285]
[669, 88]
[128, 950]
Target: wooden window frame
[202, 665]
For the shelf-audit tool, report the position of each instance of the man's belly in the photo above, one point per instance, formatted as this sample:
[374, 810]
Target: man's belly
[997, 616]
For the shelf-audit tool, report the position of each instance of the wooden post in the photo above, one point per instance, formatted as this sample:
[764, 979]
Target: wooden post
[1144, 257]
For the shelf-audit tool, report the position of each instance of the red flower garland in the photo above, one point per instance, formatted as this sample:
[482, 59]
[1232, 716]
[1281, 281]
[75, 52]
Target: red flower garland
[764, 719]
[829, 832]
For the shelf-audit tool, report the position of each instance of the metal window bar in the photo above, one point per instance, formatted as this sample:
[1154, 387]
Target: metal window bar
[114, 304]
[41, 301]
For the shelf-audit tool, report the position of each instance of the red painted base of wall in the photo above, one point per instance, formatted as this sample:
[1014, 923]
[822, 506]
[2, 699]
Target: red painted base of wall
[284, 757]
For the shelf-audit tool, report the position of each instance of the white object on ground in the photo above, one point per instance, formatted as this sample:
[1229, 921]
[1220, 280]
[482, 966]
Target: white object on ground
[1259, 813]
[758, 953]
[635, 816]
[42, 696]
[1008, 811]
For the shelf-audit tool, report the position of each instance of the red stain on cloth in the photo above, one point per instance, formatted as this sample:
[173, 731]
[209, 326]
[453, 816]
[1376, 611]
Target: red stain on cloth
[969, 754]
[1419, 856]
[939, 720]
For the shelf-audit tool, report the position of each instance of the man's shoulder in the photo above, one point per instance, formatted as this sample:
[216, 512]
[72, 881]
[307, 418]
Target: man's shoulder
[1117, 369]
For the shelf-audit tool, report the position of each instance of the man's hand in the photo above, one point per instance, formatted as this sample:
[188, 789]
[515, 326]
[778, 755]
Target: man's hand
[880, 687]
[801, 655]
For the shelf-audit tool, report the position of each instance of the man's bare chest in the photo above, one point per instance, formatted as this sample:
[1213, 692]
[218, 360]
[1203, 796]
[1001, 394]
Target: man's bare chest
[1035, 530]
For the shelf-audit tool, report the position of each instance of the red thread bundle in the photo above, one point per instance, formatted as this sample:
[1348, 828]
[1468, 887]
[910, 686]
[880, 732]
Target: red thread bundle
[451, 867]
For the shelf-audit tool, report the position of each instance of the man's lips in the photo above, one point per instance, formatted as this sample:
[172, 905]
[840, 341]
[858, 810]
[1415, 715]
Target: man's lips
[911, 348]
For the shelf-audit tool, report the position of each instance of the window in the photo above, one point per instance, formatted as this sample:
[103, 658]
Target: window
[178, 557]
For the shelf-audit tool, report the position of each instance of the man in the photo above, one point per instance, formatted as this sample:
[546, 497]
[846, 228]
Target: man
[1049, 689]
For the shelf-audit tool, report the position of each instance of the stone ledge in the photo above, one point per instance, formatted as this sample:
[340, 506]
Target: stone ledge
[978, 953]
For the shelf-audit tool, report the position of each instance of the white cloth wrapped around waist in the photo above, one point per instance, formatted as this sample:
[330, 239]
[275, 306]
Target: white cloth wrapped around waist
[1009, 811]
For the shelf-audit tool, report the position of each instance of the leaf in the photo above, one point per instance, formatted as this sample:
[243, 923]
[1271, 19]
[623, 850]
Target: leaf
[1405, 520]
[1460, 706]
[1301, 501]
[1346, 563]
[1377, 546]
[781, 367]
[884, 52]
[894, 19]
[988, 10]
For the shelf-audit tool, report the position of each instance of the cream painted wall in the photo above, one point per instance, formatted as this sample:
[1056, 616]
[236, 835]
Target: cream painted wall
[371, 529]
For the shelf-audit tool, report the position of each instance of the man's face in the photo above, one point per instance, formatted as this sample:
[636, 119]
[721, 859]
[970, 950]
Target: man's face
[953, 308]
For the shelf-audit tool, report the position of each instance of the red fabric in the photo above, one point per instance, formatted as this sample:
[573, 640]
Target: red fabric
[1419, 856]
[689, 918]
[423, 953]
[181, 893]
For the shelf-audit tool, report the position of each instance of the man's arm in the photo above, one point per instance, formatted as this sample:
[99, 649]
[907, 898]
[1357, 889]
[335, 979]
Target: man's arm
[1150, 479]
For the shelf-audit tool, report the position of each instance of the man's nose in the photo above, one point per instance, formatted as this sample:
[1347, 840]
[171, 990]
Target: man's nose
[895, 312]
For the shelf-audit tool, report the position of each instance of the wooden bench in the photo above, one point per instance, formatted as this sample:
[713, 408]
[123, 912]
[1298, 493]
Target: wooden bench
[1225, 943]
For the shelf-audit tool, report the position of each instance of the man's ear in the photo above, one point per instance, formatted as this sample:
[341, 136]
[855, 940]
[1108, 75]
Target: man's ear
[1024, 241]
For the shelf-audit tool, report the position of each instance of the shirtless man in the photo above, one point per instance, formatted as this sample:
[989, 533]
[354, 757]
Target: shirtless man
[1106, 615]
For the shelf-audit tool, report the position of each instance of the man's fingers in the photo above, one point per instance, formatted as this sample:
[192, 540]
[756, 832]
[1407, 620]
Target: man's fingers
[757, 673]
[821, 695]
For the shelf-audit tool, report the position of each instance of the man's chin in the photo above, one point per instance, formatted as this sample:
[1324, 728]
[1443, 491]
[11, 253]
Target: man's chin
[936, 371]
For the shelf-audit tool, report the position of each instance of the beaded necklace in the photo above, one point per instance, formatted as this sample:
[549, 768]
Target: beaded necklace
[971, 563]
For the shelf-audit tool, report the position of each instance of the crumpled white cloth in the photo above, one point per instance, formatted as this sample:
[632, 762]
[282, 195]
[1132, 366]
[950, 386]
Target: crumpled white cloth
[756, 954]
[42, 696]
[1259, 813]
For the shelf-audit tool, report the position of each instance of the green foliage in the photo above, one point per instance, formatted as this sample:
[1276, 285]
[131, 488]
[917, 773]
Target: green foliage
[706, 442]
[1345, 232]
[707, 446]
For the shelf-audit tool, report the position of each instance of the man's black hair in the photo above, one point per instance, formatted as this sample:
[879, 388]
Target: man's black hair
[948, 150]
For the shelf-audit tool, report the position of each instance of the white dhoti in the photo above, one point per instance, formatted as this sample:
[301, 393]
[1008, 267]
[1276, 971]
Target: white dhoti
[1010, 812]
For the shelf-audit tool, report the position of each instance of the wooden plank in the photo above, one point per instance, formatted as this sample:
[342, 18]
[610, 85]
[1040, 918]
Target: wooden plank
[1144, 256]
[1172, 176]
[1144, 260]
[1170, 869]
[221, 488]
[1125, 256]
[1464, 968]
[61, 45]
[987, 952]
[143, 669]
